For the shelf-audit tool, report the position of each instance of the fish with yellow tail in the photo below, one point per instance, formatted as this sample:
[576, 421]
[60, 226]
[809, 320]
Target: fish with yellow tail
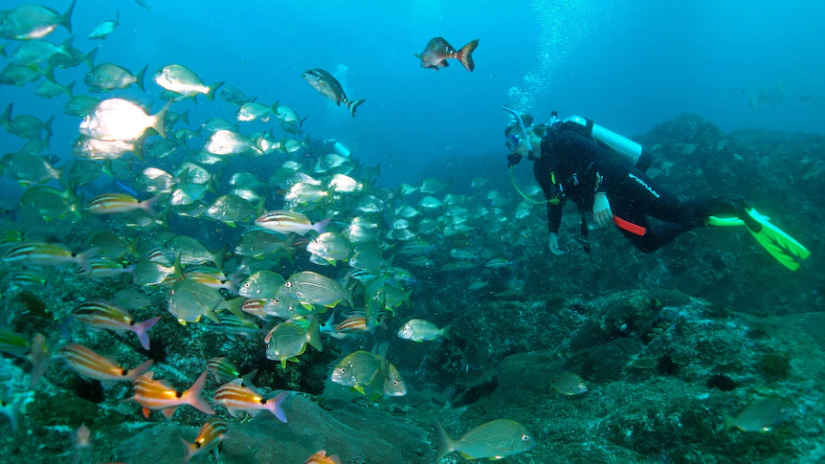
[113, 203]
[209, 437]
[493, 440]
[328, 86]
[159, 395]
[438, 50]
[237, 397]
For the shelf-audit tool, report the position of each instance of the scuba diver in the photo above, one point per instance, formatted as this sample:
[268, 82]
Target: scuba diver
[603, 172]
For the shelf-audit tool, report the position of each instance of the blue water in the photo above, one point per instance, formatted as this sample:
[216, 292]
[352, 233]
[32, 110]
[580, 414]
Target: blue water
[629, 66]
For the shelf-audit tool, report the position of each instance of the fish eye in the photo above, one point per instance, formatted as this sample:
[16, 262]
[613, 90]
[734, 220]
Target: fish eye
[124, 372]
[395, 382]
[525, 437]
[288, 284]
[247, 285]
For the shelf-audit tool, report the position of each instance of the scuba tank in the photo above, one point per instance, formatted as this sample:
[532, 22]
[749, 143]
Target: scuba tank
[632, 151]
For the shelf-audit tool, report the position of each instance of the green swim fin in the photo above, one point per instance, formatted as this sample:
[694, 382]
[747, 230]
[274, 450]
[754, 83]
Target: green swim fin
[725, 222]
[780, 245]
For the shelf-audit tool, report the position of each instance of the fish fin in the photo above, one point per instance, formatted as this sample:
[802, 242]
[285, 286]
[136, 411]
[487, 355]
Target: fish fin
[159, 123]
[360, 389]
[89, 58]
[66, 19]
[5, 120]
[190, 449]
[146, 412]
[283, 363]
[169, 412]
[193, 398]
[210, 94]
[247, 379]
[465, 55]
[321, 225]
[314, 334]
[139, 81]
[253, 412]
[353, 105]
[308, 306]
[274, 406]
[230, 224]
[68, 89]
[140, 370]
[210, 313]
[443, 64]
[445, 443]
[729, 421]
[219, 256]
[84, 258]
[417, 55]
[445, 332]
[107, 385]
[374, 396]
[142, 331]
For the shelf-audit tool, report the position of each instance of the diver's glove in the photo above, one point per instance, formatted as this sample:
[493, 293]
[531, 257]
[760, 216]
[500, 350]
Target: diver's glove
[513, 159]
[601, 210]
[553, 244]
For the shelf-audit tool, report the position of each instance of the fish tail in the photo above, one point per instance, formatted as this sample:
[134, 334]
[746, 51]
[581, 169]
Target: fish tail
[68, 89]
[142, 331]
[146, 205]
[445, 443]
[83, 259]
[274, 406]
[210, 95]
[353, 105]
[66, 19]
[219, 256]
[14, 412]
[66, 47]
[193, 398]
[248, 378]
[319, 226]
[5, 120]
[139, 78]
[89, 58]
[140, 370]
[728, 423]
[159, 124]
[190, 450]
[465, 55]
[314, 334]
[445, 332]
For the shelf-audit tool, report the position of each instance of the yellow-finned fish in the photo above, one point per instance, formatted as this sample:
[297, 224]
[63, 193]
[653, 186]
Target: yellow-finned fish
[288, 340]
[419, 330]
[90, 365]
[321, 458]
[494, 440]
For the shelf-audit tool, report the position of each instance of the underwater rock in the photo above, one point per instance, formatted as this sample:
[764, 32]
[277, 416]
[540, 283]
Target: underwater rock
[355, 434]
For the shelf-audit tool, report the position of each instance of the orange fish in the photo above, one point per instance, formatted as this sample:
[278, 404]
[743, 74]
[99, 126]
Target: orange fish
[321, 458]
[90, 365]
[235, 396]
[156, 395]
[353, 324]
[209, 437]
[438, 50]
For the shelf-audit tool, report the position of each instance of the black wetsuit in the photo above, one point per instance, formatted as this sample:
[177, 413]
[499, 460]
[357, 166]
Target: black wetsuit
[582, 167]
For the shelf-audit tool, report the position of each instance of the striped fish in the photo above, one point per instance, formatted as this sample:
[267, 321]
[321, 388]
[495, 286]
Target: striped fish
[357, 370]
[213, 277]
[209, 437]
[47, 254]
[90, 365]
[287, 222]
[225, 371]
[13, 343]
[100, 314]
[286, 341]
[29, 279]
[39, 357]
[495, 440]
[104, 269]
[353, 324]
[255, 308]
[154, 395]
[234, 326]
[112, 203]
[236, 397]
